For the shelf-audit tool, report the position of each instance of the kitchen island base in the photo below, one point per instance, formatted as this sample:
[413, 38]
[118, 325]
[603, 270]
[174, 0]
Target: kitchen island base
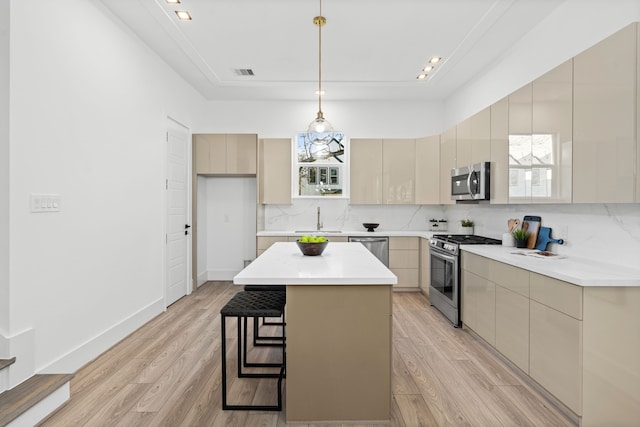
[338, 353]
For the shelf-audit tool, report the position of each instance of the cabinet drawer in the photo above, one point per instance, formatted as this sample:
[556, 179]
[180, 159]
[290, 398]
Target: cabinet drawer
[512, 278]
[559, 295]
[404, 243]
[404, 259]
[512, 327]
[407, 277]
[476, 264]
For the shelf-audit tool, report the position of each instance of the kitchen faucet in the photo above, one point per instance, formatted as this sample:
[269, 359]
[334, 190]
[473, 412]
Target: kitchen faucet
[318, 224]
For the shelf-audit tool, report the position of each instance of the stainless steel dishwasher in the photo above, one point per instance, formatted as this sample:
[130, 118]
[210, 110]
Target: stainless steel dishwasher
[379, 246]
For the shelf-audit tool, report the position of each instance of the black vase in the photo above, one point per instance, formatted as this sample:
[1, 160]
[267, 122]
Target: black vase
[521, 243]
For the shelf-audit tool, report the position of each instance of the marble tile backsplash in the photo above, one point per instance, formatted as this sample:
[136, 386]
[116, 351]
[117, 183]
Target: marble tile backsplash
[607, 233]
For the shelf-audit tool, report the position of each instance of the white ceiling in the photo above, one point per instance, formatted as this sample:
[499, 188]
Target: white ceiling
[372, 49]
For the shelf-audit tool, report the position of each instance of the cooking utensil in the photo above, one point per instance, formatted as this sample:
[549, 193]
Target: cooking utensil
[512, 224]
[531, 223]
[544, 238]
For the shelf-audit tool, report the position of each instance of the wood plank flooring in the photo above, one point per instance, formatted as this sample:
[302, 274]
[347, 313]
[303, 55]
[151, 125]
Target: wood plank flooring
[168, 374]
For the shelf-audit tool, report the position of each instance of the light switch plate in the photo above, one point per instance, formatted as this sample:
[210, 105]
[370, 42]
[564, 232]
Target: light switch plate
[45, 203]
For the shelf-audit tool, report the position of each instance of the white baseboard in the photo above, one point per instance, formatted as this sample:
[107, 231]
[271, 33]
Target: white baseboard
[202, 278]
[221, 274]
[84, 353]
[43, 408]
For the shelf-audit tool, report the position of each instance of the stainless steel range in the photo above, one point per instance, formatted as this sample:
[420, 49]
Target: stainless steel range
[444, 290]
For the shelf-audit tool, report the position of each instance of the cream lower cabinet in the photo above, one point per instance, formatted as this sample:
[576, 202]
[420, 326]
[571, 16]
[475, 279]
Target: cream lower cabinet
[479, 305]
[536, 321]
[425, 266]
[404, 261]
[264, 242]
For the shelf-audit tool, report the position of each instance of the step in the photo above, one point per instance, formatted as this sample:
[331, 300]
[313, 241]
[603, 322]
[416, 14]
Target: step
[24, 396]
[6, 362]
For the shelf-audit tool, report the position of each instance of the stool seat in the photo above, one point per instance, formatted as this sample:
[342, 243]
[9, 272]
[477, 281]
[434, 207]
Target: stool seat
[255, 304]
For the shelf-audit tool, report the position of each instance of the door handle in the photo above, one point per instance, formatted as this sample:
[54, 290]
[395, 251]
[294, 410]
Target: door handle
[186, 228]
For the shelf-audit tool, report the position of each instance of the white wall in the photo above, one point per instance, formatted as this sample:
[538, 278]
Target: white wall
[201, 230]
[231, 225]
[4, 173]
[377, 119]
[89, 105]
[573, 27]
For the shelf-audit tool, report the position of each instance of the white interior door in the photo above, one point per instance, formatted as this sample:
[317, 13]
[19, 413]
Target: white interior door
[178, 218]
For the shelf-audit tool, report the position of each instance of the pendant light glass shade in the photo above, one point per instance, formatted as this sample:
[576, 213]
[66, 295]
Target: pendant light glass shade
[320, 131]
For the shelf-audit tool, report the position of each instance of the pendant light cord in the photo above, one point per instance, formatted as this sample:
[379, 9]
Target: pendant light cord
[320, 23]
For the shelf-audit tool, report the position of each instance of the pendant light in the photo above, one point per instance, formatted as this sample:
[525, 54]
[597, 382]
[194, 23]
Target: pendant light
[319, 129]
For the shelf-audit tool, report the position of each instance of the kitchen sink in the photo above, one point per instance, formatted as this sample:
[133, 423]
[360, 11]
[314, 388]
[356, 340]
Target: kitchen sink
[318, 231]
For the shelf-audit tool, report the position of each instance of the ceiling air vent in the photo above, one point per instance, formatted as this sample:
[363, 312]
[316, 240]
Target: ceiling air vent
[243, 72]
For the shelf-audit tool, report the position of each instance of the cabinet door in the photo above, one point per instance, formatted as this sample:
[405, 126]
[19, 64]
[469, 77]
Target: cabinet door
[241, 152]
[552, 122]
[481, 136]
[275, 171]
[200, 154]
[464, 143]
[217, 153]
[428, 170]
[479, 305]
[520, 143]
[398, 171]
[447, 162]
[425, 266]
[512, 327]
[555, 356]
[500, 152]
[365, 172]
[604, 101]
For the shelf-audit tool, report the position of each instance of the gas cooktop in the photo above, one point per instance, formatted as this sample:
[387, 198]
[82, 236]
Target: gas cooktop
[467, 239]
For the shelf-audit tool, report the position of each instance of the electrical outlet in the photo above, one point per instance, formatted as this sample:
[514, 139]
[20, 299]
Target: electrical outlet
[41, 203]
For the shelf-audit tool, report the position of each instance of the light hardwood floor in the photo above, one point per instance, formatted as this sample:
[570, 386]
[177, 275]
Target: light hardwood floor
[167, 373]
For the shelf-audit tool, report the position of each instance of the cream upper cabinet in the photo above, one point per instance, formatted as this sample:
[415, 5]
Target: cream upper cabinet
[604, 146]
[447, 162]
[520, 145]
[275, 171]
[500, 152]
[464, 143]
[225, 154]
[552, 140]
[365, 171]
[427, 161]
[398, 171]
[473, 139]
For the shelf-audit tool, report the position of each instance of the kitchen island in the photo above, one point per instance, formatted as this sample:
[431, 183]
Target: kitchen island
[338, 330]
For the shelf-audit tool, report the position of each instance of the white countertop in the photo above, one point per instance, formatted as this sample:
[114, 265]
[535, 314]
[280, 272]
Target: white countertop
[579, 271]
[339, 264]
[360, 233]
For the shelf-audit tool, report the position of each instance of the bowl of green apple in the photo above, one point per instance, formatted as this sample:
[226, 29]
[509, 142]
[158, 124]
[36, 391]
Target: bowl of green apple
[312, 245]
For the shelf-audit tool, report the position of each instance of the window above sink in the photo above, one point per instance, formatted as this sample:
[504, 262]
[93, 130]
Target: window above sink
[320, 169]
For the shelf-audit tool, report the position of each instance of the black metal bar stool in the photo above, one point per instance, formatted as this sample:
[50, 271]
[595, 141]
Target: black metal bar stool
[260, 340]
[242, 306]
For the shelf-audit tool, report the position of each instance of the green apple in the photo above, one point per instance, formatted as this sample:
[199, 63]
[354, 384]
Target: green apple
[304, 239]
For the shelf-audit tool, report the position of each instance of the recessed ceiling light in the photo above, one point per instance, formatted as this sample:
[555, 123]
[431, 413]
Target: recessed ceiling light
[183, 15]
[427, 68]
[173, 1]
[421, 76]
[434, 60]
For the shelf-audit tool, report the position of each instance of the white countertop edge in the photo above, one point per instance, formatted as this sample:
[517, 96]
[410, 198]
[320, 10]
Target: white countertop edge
[346, 233]
[278, 281]
[578, 271]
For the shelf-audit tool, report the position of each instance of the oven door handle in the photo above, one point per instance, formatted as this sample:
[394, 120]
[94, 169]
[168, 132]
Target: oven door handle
[451, 258]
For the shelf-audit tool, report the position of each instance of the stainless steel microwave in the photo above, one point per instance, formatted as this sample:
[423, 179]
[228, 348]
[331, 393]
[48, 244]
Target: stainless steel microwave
[471, 182]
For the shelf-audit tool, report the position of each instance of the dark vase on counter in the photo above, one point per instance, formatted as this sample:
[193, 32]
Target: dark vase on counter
[521, 243]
